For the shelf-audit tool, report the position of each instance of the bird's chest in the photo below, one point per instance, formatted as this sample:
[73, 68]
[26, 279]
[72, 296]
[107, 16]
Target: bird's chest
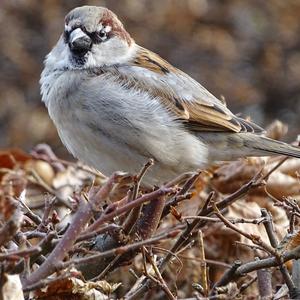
[58, 89]
[81, 119]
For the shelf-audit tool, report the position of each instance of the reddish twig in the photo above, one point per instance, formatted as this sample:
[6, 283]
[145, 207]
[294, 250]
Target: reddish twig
[12, 255]
[159, 279]
[113, 210]
[81, 218]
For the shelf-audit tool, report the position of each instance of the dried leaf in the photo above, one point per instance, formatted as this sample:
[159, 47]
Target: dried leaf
[175, 213]
[276, 130]
[13, 183]
[43, 169]
[11, 157]
[293, 242]
[71, 287]
[231, 176]
[69, 180]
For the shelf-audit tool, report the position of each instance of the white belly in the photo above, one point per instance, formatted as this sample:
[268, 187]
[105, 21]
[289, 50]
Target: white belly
[112, 129]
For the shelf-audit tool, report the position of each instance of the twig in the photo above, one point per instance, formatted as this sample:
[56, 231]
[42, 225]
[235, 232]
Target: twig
[233, 221]
[244, 286]
[36, 179]
[34, 234]
[268, 223]
[133, 294]
[157, 197]
[113, 210]
[265, 263]
[81, 218]
[121, 250]
[46, 282]
[207, 261]
[144, 228]
[203, 267]
[159, 249]
[107, 228]
[282, 161]
[11, 227]
[183, 239]
[273, 241]
[20, 253]
[264, 282]
[181, 195]
[30, 214]
[44, 152]
[251, 246]
[49, 201]
[45, 246]
[135, 213]
[227, 277]
[160, 280]
[181, 178]
[184, 236]
[254, 238]
[292, 222]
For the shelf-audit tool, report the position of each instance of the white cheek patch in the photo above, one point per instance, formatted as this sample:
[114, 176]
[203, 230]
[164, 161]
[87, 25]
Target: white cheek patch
[107, 28]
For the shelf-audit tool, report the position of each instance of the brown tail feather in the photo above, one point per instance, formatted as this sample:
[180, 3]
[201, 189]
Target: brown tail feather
[275, 147]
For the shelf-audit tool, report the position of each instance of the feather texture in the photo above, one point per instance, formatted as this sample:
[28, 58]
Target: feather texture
[185, 99]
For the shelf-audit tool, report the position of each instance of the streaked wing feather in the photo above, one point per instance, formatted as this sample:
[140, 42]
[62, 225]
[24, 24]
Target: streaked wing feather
[190, 102]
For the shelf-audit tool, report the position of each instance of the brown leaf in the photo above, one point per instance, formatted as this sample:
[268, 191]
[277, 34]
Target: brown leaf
[293, 242]
[68, 288]
[231, 176]
[276, 130]
[9, 158]
[43, 169]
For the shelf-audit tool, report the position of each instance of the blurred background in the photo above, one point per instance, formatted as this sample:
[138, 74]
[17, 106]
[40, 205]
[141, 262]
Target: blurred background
[247, 51]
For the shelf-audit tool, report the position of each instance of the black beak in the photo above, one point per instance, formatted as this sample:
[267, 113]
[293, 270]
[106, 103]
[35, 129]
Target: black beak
[80, 43]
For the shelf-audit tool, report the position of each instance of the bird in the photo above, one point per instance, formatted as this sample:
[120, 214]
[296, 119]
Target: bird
[116, 104]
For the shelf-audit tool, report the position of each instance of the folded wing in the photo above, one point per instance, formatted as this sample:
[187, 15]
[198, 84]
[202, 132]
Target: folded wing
[184, 97]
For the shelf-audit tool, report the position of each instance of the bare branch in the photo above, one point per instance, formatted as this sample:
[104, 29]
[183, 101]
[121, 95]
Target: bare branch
[264, 282]
[82, 216]
[10, 227]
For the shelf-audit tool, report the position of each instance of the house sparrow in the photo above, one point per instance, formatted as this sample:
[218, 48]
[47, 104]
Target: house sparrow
[115, 104]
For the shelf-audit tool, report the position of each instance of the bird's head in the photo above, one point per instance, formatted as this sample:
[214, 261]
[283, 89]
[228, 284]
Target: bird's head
[93, 37]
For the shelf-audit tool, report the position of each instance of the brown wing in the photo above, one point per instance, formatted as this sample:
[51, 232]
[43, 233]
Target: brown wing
[182, 95]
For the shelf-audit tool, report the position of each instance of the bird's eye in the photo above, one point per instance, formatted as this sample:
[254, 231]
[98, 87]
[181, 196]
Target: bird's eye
[102, 34]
